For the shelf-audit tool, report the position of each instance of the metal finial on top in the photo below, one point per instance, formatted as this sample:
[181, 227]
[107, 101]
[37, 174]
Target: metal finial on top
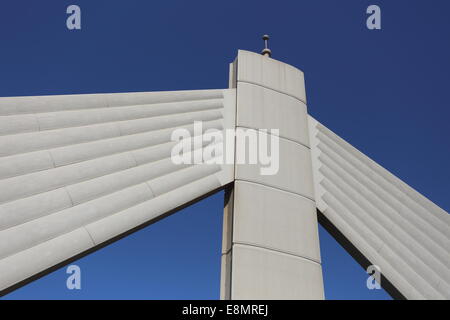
[266, 51]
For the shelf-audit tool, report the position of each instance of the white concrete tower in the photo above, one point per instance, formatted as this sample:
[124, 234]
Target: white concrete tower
[270, 240]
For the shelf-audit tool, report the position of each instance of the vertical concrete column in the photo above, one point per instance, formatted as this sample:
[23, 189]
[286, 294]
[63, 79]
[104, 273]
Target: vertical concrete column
[270, 239]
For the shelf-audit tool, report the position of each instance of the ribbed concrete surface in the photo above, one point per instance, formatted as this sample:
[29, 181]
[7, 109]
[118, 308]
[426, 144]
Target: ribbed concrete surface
[78, 170]
[391, 224]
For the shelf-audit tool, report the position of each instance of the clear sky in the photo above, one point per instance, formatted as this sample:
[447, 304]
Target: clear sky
[385, 91]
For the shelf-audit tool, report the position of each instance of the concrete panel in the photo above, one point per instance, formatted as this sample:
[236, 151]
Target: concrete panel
[43, 181]
[181, 177]
[378, 184]
[359, 239]
[94, 188]
[40, 104]
[36, 104]
[27, 142]
[18, 124]
[261, 108]
[87, 151]
[139, 98]
[156, 123]
[276, 220]
[265, 274]
[295, 171]
[138, 144]
[163, 149]
[381, 235]
[391, 224]
[26, 209]
[349, 193]
[27, 263]
[36, 231]
[272, 74]
[123, 221]
[56, 120]
[25, 163]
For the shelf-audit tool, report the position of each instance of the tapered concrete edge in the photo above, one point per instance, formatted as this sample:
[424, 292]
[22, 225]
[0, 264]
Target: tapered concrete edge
[227, 243]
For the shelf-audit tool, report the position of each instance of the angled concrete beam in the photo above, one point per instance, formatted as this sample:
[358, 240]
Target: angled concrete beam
[78, 171]
[387, 223]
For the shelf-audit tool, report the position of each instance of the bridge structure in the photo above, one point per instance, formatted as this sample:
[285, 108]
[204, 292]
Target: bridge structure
[78, 172]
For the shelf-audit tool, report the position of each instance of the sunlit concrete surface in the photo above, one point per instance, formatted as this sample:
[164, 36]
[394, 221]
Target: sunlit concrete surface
[79, 170]
[390, 223]
[271, 244]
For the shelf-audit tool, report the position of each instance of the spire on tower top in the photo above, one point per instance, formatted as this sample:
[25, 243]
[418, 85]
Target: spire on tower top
[266, 51]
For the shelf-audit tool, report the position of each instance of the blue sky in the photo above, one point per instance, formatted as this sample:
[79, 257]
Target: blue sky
[384, 91]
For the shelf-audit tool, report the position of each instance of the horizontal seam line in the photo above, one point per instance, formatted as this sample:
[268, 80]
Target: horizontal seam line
[277, 188]
[281, 137]
[228, 251]
[275, 250]
[268, 88]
